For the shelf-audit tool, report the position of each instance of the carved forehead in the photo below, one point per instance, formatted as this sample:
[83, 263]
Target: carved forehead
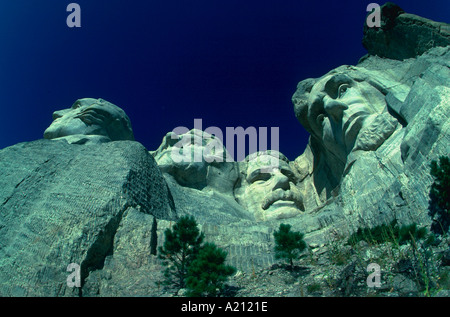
[343, 74]
[85, 102]
[196, 137]
[100, 105]
[329, 83]
[266, 159]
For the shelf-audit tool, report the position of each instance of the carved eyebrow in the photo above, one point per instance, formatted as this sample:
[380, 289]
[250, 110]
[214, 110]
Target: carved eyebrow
[261, 176]
[332, 85]
[76, 105]
[254, 174]
[287, 171]
[91, 115]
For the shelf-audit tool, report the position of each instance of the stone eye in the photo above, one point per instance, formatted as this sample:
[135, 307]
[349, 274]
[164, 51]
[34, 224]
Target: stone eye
[342, 90]
[320, 119]
[288, 174]
[259, 176]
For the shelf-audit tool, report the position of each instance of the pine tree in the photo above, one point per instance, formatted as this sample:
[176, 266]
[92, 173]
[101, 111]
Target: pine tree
[154, 237]
[208, 272]
[288, 244]
[439, 205]
[180, 247]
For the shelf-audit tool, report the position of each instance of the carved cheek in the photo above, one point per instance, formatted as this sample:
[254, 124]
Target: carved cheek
[258, 190]
[374, 100]
[73, 126]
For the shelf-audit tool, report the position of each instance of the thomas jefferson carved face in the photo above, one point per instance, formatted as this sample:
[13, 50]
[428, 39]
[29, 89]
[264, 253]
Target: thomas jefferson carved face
[269, 191]
[197, 159]
[91, 117]
[338, 109]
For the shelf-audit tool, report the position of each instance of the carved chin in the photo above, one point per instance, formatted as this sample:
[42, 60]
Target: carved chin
[49, 133]
[65, 128]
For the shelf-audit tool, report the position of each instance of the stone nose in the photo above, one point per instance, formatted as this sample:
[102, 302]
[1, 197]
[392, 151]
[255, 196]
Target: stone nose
[280, 181]
[57, 114]
[334, 108]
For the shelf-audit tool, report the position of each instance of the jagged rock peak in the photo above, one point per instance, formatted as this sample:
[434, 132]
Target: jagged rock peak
[403, 35]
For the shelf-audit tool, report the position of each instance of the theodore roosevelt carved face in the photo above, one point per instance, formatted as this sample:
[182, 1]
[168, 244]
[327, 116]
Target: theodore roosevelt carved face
[268, 191]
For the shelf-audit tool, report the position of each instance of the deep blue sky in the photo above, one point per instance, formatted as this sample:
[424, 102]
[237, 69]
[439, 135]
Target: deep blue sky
[165, 62]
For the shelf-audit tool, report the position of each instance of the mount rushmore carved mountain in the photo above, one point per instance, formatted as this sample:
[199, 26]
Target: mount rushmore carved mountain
[89, 193]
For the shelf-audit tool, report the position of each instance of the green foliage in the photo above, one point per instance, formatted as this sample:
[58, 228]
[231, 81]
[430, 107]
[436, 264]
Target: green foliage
[337, 253]
[180, 248]
[288, 244]
[315, 287]
[422, 259]
[208, 272]
[199, 268]
[154, 237]
[418, 251]
[410, 233]
[376, 235]
[391, 233]
[439, 206]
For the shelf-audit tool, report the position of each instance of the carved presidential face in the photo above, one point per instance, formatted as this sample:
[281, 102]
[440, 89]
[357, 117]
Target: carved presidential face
[196, 159]
[268, 190]
[336, 108]
[91, 117]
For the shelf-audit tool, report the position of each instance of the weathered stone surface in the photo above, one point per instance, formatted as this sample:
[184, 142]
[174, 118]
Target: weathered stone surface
[226, 223]
[64, 203]
[267, 187]
[402, 35]
[391, 180]
[375, 127]
[90, 121]
[202, 183]
[196, 159]
[130, 269]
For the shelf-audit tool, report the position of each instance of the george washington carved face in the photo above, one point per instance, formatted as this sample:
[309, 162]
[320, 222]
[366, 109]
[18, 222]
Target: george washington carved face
[91, 117]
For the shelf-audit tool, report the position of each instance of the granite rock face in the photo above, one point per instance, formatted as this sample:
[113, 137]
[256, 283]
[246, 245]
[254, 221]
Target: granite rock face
[403, 35]
[392, 180]
[53, 212]
[197, 159]
[267, 187]
[202, 183]
[88, 194]
[90, 121]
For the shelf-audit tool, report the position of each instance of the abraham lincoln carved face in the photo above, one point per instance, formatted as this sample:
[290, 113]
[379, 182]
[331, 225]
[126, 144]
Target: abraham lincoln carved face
[343, 112]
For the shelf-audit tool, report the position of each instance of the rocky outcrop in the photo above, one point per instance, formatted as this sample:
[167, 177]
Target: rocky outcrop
[393, 180]
[92, 196]
[403, 35]
[62, 203]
